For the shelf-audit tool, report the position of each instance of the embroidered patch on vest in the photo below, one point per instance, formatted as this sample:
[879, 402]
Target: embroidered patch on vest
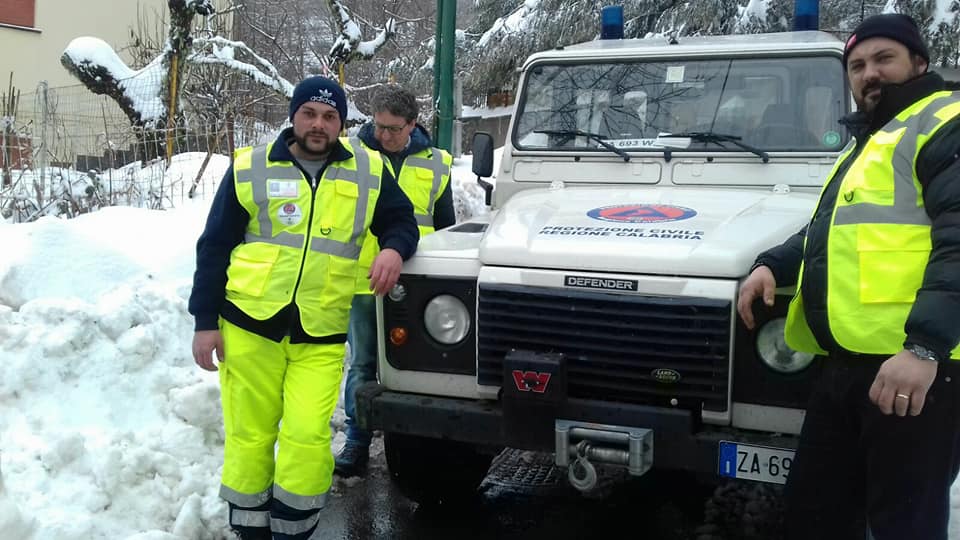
[289, 214]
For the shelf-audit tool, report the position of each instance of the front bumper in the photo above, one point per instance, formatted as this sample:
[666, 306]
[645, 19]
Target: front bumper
[680, 442]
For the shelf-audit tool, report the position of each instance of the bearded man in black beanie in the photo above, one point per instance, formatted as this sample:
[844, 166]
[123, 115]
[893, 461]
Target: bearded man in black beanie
[878, 271]
[277, 268]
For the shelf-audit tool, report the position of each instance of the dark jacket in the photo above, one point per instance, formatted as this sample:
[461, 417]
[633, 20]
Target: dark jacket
[393, 224]
[933, 320]
[443, 212]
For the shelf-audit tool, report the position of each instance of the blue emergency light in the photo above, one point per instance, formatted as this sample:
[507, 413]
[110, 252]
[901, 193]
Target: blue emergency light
[611, 22]
[806, 15]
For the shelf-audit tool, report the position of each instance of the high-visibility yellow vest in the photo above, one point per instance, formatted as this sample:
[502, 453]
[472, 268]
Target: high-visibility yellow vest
[879, 240]
[299, 246]
[423, 177]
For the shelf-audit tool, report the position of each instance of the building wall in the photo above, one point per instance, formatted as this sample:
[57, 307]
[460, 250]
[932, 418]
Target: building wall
[55, 24]
[66, 120]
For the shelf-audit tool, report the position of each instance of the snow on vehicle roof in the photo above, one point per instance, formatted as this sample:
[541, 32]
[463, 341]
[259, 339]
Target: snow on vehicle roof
[781, 42]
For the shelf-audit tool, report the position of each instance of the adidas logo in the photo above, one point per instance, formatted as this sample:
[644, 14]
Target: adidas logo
[324, 97]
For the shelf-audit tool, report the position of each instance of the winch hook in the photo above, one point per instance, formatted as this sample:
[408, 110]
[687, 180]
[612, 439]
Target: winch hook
[588, 480]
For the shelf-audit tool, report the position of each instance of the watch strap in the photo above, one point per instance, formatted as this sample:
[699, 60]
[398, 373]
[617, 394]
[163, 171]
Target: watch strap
[922, 352]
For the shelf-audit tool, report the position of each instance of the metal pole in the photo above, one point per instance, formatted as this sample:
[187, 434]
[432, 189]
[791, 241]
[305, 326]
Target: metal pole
[438, 38]
[44, 149]
[342, 75]
[172, 112]
[445, 101]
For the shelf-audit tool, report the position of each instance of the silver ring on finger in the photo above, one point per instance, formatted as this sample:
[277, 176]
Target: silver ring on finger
[903, 396]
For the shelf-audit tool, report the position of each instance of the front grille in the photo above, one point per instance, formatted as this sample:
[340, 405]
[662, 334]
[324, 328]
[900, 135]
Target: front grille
[612, 343]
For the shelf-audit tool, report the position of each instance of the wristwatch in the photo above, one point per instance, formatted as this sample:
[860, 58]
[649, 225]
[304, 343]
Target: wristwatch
[922, 352]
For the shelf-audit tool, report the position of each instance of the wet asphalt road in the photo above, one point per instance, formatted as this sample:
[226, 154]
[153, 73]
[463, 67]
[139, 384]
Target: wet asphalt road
[522, 498]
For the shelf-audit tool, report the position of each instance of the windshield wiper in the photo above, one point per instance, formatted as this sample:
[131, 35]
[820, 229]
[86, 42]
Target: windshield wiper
[594, 136]
[717, 138]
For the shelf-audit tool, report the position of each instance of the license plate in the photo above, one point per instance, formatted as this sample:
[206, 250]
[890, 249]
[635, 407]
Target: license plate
[758, 463]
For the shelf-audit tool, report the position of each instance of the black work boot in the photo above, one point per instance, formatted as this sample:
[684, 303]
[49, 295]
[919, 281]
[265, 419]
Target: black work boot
[252, 533]
[352, 460]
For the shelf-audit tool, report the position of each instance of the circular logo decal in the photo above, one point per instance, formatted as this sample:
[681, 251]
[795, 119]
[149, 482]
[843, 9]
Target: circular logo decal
[289, 214]
[642, 213]
[665, 375]
[831, 139]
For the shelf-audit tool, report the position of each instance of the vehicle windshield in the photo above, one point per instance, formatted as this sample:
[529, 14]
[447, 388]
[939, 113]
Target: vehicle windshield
[773, 104]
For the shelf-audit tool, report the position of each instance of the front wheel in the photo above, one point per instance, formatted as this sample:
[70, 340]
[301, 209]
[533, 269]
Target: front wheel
[432, 472]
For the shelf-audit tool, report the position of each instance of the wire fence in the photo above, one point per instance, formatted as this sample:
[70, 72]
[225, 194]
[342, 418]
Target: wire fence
[66, 151]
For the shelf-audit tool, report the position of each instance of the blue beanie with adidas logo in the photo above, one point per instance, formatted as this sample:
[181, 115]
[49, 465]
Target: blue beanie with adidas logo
[320, 90]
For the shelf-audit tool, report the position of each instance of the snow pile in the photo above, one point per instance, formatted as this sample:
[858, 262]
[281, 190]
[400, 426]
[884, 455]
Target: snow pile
[107, 426]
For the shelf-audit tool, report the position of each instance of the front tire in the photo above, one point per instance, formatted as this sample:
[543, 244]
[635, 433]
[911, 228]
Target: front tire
[435, 472]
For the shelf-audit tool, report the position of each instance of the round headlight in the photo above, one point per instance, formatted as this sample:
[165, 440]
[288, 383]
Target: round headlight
[774, 351]
[446, 319]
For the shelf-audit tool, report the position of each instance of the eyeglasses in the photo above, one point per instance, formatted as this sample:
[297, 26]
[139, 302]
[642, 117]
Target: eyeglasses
[392, 129]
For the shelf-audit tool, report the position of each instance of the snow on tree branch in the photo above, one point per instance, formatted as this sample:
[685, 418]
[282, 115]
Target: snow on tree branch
[348, 45]
[140, 93]
[219, 50]
[97, 66]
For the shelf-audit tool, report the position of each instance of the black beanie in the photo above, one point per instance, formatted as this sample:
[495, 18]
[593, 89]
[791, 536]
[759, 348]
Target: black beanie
[895, 26]
[321, 90]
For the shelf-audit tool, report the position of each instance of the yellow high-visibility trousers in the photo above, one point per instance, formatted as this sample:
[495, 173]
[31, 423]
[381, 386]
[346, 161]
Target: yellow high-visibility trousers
[270, 389]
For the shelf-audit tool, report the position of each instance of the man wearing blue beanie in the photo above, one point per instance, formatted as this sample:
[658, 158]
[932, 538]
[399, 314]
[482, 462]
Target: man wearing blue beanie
[277, 268]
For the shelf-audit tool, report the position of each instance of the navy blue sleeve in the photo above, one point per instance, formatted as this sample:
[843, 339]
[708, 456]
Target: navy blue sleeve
[933, 319]
[224, 231]
[443, 213]
[784, 260]
[393, 222]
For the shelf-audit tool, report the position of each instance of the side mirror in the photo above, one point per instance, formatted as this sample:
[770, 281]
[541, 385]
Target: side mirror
[483, 162]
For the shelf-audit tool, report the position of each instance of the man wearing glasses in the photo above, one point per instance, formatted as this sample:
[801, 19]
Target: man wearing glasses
[423, 173]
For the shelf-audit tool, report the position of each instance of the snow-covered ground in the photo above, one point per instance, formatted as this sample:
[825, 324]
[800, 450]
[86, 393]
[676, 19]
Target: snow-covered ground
[107, 427]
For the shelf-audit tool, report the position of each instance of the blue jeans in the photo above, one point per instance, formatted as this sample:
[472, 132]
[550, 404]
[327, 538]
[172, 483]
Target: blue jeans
[362, 337]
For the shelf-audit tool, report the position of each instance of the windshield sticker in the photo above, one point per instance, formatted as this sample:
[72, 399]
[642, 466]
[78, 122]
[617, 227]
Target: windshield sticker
[623, 232]
[642, 213]
[675, 74]
[831, 139]
[634, 143]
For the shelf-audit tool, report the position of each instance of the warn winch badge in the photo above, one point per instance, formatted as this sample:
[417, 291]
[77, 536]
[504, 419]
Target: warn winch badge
[528, 381]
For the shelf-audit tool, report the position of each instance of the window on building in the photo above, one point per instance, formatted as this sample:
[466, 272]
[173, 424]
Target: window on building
[17, 12]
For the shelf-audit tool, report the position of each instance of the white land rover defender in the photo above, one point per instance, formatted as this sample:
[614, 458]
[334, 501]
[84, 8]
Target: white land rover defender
[592, 313]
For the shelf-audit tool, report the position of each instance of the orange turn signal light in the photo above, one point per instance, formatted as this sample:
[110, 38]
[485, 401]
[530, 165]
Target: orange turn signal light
[398, 335]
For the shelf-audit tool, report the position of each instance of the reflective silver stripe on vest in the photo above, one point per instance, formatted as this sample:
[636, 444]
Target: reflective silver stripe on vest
[294, 528]
[250, 518]
[905, 195]
[245, 500]
[365, 182]
[259, 175]
[435, 164]
[299, 502]
[282, 239]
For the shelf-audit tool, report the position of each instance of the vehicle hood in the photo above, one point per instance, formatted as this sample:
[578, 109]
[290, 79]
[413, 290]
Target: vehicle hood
[649, 230]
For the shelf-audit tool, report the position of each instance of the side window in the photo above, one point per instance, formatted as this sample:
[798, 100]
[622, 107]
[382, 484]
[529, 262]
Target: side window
[820, 119]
